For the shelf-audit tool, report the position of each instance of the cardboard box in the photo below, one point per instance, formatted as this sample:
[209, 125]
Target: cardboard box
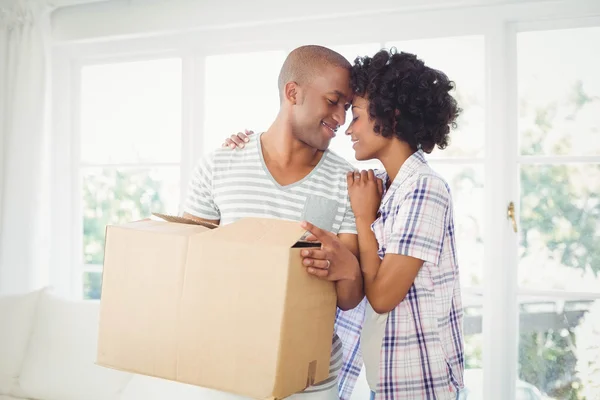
[230, 308]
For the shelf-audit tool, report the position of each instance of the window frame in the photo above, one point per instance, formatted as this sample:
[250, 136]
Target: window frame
[516, 160]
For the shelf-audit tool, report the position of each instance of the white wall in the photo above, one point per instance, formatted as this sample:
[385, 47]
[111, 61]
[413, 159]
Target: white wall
[113, 18]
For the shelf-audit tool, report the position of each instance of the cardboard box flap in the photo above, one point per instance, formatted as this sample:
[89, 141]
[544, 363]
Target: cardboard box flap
[182, 220]
[262, 231]
[159, 227]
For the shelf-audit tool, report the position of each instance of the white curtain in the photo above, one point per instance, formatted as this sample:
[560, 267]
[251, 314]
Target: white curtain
[24, 157]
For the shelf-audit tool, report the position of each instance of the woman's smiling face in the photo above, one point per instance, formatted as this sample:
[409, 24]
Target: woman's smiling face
[367, 144]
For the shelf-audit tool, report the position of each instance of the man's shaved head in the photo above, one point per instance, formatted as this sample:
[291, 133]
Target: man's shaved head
[314, 93]
[305, 62]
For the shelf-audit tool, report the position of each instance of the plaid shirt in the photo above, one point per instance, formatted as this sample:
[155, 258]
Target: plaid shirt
[422, 349]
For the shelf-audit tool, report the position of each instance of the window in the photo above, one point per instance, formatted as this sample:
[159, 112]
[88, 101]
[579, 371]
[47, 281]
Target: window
[241, 93]
[130, 151]
[559, 261]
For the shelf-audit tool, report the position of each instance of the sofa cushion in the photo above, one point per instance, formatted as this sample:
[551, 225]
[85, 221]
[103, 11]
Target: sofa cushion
[144, 387]
[60, 360]
[16, 319]
[148, 388]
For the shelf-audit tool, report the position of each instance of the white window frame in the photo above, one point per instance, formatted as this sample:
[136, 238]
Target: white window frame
[498, 23]
[515, 160]
[72, 271]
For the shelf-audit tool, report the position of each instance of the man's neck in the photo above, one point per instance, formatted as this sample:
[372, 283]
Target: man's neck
[281, 147]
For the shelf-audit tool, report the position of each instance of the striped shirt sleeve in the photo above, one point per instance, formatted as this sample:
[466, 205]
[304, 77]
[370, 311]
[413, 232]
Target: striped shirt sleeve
[349, 221]
[419, 224]
[200, 201]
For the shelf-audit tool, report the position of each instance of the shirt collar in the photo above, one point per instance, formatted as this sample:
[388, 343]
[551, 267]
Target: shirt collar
[410, 166]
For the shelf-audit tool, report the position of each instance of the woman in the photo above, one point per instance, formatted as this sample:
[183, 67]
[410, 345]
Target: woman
[409, 331]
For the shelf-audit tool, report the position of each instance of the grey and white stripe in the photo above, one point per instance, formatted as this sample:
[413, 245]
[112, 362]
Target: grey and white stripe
[231, 184]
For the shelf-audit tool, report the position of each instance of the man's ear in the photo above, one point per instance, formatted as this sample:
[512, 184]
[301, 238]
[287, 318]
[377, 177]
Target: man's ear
[292, 93]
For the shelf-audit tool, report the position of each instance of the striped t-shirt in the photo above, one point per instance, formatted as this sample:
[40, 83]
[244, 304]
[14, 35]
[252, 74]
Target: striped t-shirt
[231, 184]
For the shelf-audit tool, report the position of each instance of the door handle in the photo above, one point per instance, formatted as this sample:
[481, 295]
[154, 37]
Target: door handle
[510, 214]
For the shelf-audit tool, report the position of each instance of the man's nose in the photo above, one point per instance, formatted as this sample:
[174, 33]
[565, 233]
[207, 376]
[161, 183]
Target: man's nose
[340, 116]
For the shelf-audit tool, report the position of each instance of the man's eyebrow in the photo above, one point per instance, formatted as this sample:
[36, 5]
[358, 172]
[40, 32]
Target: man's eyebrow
[338, 93]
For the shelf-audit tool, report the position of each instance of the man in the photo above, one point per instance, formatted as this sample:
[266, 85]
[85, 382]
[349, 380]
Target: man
[288, 173]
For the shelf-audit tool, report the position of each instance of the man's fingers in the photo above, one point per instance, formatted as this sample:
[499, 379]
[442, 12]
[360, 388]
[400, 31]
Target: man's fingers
[317, 232]
[316, 254]
[311, 238]
[380, 186]
[321, 235]
[316, 263]
[321, 273]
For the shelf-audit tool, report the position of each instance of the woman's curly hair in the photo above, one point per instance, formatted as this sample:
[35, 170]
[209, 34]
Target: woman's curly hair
[406, 98]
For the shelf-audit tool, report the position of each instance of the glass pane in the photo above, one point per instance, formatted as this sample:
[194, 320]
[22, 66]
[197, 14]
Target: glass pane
[462, 59]
[559, 229]
[559, 355]
[341, 143]
[112, 196]
[131, 112]
[472, 330]
[559, 92]
[92, 285]
[473, 380]
[467, 188]
[241, 92]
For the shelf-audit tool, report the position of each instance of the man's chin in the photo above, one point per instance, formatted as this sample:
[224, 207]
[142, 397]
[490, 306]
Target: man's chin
[321, 145]
[324, 147]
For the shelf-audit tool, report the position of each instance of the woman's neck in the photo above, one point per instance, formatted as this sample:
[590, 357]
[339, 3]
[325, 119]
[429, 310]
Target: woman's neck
[394, 157]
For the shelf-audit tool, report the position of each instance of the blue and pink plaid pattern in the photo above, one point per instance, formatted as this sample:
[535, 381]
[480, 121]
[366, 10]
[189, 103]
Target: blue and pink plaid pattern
[422, 350]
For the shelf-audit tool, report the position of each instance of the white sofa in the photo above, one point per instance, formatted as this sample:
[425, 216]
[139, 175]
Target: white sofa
[48, 350]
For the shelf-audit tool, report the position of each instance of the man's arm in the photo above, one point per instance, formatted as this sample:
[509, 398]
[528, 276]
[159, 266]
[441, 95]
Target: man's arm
[350, 292]
[336, 261]
[199, 203]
